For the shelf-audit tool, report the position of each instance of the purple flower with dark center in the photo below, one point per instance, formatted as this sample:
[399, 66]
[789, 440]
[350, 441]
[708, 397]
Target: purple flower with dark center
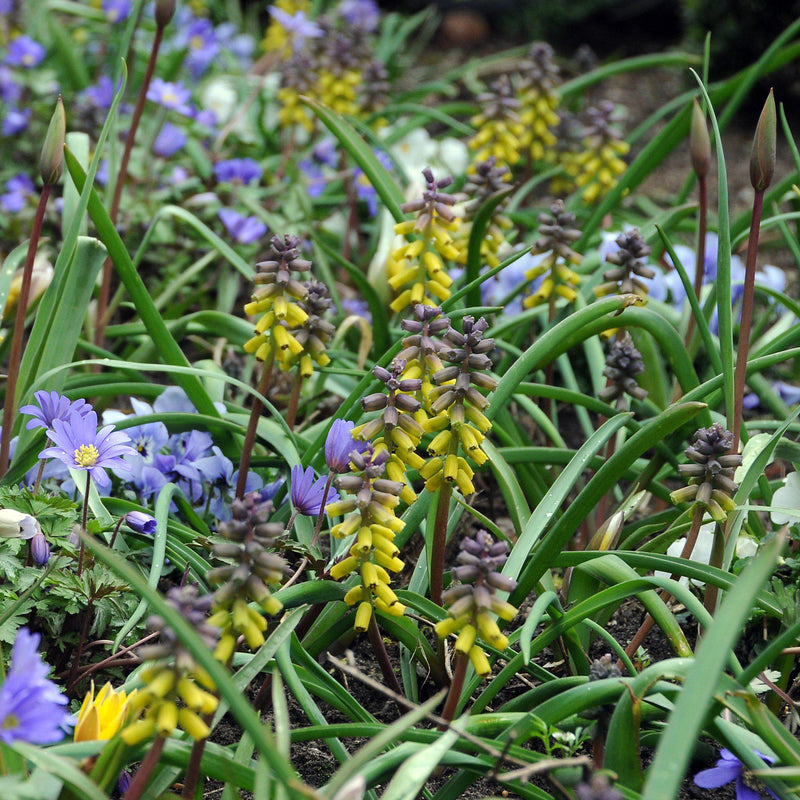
[298, 25]
[141, 522]
[728, 769]
[116, 10]
[238, 170]
[307, 493]
[170, 139]
[32, 709]
[15, 121]
[363, 14]
[79, 445]
[18, 190]
[174, 96]
[244, 230]
[24, 52]
[52, 406]
[339, 444]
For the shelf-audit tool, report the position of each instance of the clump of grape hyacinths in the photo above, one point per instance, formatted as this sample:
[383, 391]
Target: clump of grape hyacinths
[539, 100]
[472, 602]
[557, 232]
[500, 130]
[598, 165]
[395, 429]
[623, 363]
[711, 486]
[416, 269]
[252, 568]
[630, 271]
[171, 697]
[487, 180]
[277, 298]
[369, 515]
[457, 407]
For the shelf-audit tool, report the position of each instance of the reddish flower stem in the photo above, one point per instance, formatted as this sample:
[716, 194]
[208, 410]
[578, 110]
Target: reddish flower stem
[439, 542]
[747, 317]
[252, 426]
[142, 776]
[454, 694]
[15, 357]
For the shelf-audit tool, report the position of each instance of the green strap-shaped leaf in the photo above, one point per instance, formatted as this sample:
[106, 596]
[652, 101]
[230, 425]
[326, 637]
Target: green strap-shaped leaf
[168, 348]
[605, 478]
[687, 719]
[362, 154]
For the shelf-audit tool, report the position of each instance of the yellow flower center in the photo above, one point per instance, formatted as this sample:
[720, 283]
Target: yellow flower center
[86, 455]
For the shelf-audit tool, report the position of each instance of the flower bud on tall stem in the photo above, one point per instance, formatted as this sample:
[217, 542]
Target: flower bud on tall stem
[762, 167]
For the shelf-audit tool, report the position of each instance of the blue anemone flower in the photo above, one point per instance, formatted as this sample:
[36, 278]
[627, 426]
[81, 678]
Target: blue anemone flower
[32, 709]
[307, 494]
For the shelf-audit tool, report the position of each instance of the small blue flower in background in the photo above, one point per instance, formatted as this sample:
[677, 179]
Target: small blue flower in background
[728, 769]
[307, 493]
[170, 139]
[240, 45]
[244, 230]
[174, 96]
[32, 709]
[116, 10]
[326, 153]
[364, 189]
[52, 406]
[24, 52]
[18, 190]
[238, 170]
[363, 14]
[199, 38]
[141, 522]
[339, 444]
[15, 120]
[78, 444]
[298, 25]
[356, 307]
[100, 94]
[10, 90]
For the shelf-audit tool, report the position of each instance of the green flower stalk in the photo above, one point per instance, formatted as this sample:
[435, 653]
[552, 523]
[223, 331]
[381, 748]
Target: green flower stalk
[711, 486]
[171, 697]
[500, 129]
[598, 166]
[472, 604]
[700, 152]
[539, 101]
[370, 516]
[556, 234]
[253, 567]
[398, 431]
[416, 270]
[486, 180]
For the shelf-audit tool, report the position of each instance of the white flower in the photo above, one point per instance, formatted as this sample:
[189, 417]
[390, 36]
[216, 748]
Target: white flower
[786, 501]
[701, 552]
[16, 525]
